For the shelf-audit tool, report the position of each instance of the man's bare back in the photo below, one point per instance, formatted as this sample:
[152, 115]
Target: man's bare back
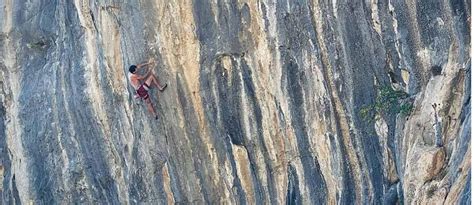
[134, 80]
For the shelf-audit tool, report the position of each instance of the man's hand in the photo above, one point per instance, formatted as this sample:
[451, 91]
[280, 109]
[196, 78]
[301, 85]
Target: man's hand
[151, 61]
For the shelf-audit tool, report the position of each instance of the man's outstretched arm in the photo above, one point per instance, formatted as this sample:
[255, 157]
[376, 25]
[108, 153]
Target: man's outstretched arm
[141, 77]
[141, 65]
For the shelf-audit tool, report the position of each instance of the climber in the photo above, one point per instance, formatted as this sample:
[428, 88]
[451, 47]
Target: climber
[142, 88]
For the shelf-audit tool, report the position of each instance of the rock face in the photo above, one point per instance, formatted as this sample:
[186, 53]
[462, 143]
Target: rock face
[269, 102]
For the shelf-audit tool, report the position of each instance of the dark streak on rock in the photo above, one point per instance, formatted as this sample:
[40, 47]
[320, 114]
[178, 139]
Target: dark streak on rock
[466, 193]
[295, 30]
[313, 176]
[197, 145]
[363, 93]
[9, 196]
[214, 76]
[293, 193]
[16, 197]
[250, 90]
[347, 193]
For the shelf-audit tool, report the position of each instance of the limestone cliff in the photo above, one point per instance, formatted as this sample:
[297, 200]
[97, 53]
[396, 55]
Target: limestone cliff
[269, 102]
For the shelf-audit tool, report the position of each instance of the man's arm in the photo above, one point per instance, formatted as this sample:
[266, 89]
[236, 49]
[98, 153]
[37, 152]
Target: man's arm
[141, 65]
[141, 77]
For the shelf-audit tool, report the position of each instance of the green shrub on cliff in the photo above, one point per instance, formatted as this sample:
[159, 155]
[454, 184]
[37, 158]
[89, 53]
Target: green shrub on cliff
[388, 101]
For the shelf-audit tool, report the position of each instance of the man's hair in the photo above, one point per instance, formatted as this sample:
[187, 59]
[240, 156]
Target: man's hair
[132, 68]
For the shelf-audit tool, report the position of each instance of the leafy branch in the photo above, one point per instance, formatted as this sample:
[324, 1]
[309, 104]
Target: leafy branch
[388, 101]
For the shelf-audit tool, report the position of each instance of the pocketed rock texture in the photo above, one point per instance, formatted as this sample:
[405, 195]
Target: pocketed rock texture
[263, 104]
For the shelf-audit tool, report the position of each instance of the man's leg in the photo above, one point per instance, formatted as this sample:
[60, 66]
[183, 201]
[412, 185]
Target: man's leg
[150, 107]
[153, 80]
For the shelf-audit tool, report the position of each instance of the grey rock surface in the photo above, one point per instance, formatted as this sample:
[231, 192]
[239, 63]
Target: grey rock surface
[268, 102]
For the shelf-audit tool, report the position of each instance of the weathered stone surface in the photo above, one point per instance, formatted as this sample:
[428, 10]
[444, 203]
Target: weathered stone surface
[263, 105]
[422, 166]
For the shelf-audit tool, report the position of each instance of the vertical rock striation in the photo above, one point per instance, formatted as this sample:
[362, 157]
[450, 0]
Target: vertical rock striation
[268, 102]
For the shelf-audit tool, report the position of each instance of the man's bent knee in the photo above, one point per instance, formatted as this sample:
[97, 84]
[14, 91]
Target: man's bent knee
[149, 81]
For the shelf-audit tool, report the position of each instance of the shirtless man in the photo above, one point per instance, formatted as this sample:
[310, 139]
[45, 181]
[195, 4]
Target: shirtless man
[142, 88]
